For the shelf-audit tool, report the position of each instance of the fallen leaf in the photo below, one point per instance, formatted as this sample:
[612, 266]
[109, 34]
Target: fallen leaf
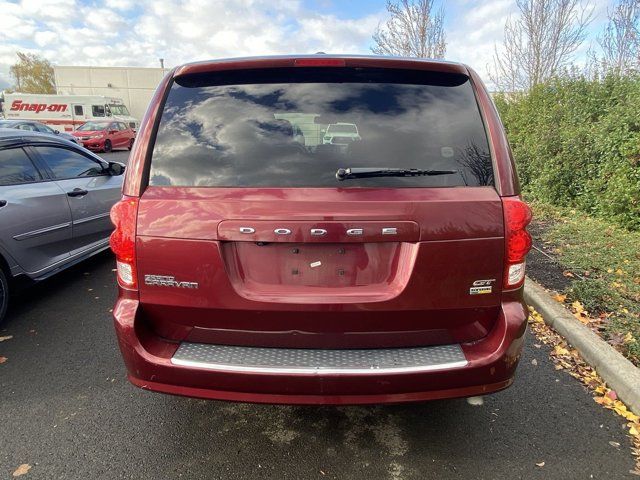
[614, 444]
[577, 306]
[560, 350]
[620, 408]
[632, 417]
[8, 337]
[568, 274]
[560, 298]
[541, 464]
[616, 339]
[612, 395]
[3, 359]
[22, 470]
[534, 362]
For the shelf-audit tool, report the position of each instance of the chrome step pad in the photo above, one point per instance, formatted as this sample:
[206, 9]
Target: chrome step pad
[320, 361]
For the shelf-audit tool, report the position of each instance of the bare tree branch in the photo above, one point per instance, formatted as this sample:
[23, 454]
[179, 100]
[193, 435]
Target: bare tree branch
[539, 43]
[414, 30]
[620, 41]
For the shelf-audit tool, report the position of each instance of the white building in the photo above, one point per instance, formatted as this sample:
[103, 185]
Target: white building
[134, 85]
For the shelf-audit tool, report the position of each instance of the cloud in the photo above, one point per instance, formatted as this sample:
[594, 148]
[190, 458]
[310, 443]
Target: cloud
[68, 32]
[472, 38]
[138, 33]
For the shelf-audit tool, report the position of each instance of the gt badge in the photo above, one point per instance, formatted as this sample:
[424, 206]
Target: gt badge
[482, 287]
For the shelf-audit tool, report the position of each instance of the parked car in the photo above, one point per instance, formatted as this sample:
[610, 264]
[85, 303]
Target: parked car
[105, 136]
[387, 271]
[341, 134]
[55, 199]
[37, 127]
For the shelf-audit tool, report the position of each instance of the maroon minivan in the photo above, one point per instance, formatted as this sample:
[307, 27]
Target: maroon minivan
[261, 259]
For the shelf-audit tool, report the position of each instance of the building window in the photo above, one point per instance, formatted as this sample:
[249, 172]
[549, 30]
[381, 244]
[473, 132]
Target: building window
[77, 110]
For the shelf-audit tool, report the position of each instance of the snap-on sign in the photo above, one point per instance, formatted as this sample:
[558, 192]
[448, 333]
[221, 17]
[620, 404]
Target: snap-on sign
[19, 105]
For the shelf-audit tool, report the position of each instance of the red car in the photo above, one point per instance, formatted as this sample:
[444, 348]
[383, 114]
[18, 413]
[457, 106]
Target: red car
[257, 263]
[105, 136]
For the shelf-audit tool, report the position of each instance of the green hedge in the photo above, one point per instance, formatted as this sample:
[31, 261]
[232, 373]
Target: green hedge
[577, 144]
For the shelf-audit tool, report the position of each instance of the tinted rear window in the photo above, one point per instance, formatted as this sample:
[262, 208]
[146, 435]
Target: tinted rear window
[297, 127]
[16, 167]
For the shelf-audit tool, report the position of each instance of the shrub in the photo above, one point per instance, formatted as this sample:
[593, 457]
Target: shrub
[576, 143]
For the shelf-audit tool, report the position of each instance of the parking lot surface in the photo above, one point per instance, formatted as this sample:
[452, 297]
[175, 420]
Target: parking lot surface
[68, 411]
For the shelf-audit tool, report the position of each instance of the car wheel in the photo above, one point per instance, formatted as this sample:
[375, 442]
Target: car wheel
[4, 294]
[107, 146]
[130, 144]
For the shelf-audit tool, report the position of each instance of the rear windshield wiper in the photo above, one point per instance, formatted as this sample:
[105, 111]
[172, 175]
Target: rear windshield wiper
[361, 172]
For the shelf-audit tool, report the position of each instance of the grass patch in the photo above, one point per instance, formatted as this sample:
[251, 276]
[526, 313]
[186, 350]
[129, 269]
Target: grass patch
[608, 258]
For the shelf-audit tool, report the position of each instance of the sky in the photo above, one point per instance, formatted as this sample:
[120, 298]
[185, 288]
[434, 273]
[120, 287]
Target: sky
[139, 32]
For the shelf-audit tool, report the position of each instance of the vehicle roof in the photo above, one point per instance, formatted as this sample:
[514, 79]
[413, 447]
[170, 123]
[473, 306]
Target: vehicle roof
[11, 136]
[18, 120]
[101, 122]
[283, 61]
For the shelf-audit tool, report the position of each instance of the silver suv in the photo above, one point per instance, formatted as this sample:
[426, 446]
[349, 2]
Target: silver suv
[55, 199]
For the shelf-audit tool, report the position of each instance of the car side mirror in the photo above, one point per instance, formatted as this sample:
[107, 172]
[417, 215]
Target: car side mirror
[57, 132]
[116, 168]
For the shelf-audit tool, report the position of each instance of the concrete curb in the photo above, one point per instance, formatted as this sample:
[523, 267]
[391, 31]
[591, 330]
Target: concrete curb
[619, 373]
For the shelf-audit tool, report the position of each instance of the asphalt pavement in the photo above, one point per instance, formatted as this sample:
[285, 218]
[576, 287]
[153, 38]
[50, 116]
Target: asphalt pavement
[67, 410]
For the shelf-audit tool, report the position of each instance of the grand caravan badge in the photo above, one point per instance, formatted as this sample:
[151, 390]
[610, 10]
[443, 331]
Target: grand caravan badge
[482, 287]
[167, 281]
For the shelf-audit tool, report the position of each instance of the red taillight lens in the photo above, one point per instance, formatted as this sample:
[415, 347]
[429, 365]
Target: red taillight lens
[518, 245]
[517, 216]
[123, 240]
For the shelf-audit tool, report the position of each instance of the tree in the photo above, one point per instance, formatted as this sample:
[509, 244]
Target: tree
[33, 74]
[415, 29]
[620, 41]
[539, 44]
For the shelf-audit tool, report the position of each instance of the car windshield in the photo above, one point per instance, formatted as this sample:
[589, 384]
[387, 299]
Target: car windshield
[93, 126]
[220, 130]
[118, 110]
[5, 124]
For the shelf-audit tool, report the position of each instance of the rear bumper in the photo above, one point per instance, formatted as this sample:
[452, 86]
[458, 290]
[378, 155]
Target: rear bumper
[491, 364]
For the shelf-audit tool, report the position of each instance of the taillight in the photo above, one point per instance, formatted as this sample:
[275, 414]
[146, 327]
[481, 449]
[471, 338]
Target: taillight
[123, 240]
[517, 216]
